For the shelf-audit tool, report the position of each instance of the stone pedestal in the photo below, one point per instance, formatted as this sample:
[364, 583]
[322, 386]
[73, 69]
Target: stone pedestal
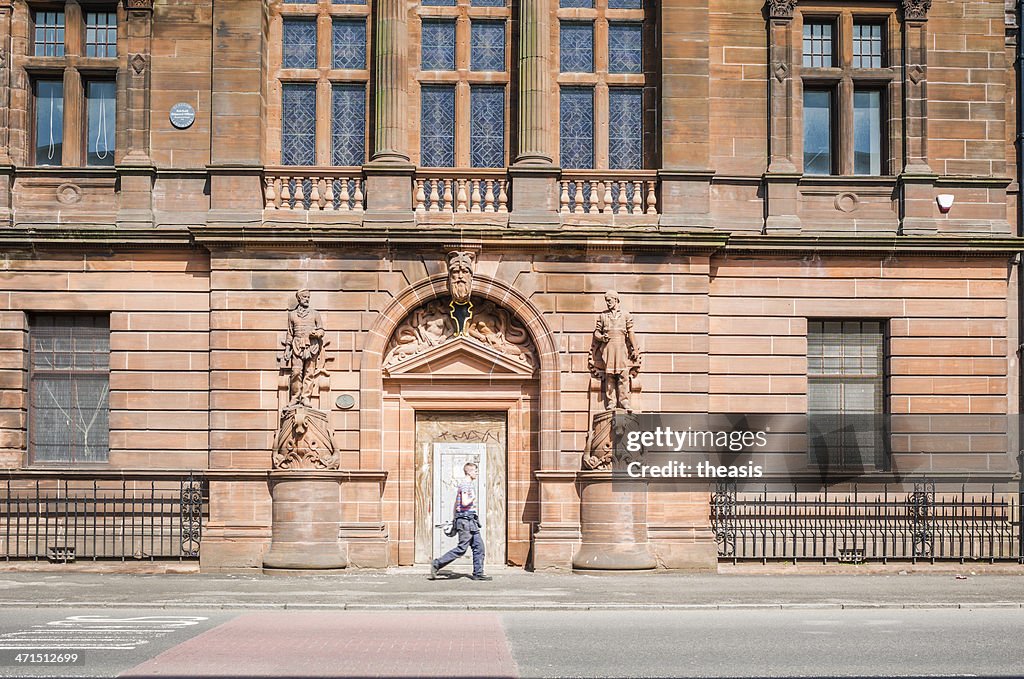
[613, 523]
[306, 518]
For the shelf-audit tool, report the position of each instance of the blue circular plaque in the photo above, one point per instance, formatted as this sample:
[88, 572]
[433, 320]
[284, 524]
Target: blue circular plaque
[182, 115]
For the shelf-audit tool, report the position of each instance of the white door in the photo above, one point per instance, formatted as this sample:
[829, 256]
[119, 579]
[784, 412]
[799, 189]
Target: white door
[448, 461]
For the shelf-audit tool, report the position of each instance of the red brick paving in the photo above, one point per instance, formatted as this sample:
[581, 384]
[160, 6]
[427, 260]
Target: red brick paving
[342, 644]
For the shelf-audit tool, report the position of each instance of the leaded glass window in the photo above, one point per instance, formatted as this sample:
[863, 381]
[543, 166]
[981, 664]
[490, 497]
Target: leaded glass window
[438, 3]
[101, 114]
[625, 128]
[298, 124]
[348, 124]
[867, 45]
[348, 39]
[576, 46]
[487, 46]
[575, 4]
[576, 127]
[49, 34]
[438, 45]
[100, 34]
[299, 43]
[625, 4]
[437, 126]
[488, 3]
[49, 105]
[625, 47]
[487, 126]
[69, 407]
[349, 2]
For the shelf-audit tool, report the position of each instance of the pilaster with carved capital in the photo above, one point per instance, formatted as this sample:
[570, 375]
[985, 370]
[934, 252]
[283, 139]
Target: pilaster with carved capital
[784, 166]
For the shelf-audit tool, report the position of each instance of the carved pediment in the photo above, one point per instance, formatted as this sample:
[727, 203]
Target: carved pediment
[494, 341]
[461, 357]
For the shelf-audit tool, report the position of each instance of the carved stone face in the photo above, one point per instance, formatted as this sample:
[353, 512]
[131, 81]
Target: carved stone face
[302, 297]
[460, 276]
[612, 301]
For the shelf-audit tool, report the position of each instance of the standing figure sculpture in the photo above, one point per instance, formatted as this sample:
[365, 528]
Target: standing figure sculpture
[614, 357]
[304, 349]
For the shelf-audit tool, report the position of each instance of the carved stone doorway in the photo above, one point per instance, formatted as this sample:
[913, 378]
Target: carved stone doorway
[444, 442]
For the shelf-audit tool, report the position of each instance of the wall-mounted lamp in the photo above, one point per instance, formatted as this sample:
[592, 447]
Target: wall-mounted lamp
[945, 201]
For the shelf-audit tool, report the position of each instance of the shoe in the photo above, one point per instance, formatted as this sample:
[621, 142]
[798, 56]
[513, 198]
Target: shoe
[481, 577]
[433, 570]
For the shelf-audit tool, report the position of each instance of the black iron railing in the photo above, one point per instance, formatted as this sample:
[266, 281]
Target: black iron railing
[102, 517]
[855, 526]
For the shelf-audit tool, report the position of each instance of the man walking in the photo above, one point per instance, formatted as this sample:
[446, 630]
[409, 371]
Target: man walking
[467, 523]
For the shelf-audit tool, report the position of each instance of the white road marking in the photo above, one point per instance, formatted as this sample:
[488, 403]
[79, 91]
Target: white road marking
[97, 632]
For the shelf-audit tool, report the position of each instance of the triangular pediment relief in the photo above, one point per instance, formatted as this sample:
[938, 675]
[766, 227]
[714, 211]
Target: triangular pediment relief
[461, 357]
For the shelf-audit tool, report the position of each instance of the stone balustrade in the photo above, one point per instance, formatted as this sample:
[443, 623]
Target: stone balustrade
[457, 191]
[314, 189]
[632, 192]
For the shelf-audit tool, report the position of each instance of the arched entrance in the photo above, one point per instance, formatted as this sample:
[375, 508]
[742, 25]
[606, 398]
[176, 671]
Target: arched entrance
[439, 395]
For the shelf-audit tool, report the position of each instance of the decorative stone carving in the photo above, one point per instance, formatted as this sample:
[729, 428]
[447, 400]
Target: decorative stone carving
[432, 325]
[138, 4]
[614, 356]
[138, 63]
[305, 440]
[916, 10]
[69, 194]
[460, 275]
[303, 350]
[781, 9]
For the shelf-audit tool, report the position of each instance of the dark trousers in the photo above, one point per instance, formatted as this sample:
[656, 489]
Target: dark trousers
[469, 537]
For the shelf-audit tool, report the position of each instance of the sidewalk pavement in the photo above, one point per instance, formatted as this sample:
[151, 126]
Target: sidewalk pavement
[513, 589]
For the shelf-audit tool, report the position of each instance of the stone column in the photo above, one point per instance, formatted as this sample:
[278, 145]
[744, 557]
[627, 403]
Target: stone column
[389, 172]
[917, 179]
[135, 168]
[685, 114]
[784, 166]
[6, 165]
[534, 177]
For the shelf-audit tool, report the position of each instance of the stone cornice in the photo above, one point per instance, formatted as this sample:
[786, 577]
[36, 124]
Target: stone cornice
[291, 237]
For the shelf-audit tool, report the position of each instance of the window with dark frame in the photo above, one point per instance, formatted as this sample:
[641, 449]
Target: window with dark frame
[49, 33]
[101, 114]
[101, 34]
[69, 386]
[49, 124]
[846, 394]
[92, 128]
[846, 76]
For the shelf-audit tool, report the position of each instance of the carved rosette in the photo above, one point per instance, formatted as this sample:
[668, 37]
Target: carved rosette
[304, 440]
[431, 325]
[781, 9]
[916, 10]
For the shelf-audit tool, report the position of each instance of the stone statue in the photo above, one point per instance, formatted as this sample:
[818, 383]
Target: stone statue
[305, 439]
[304, 349]
[614, 356]
[460, 275]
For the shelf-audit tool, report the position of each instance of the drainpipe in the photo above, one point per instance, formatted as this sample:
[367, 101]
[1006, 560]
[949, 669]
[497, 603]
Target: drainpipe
[1020, 272]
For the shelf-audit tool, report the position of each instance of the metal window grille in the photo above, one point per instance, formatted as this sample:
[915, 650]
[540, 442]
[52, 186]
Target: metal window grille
[49, 35]
[867, 45]
[68, 388]
[100, 34]
[818, 44]
[846, 393]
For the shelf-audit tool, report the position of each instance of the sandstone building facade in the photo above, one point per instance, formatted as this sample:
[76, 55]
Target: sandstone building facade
[759, 182]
